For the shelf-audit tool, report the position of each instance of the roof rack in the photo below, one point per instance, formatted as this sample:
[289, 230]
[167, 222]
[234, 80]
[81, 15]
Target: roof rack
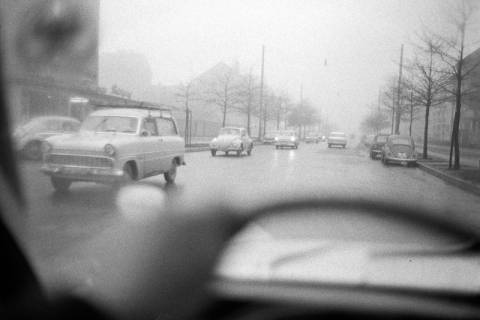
[134, 106]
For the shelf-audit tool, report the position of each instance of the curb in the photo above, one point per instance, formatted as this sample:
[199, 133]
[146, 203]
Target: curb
[197, 149]
[462, 184]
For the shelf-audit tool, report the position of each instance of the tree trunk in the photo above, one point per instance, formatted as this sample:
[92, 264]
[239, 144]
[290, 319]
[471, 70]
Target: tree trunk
[425, 132]
[224, 114]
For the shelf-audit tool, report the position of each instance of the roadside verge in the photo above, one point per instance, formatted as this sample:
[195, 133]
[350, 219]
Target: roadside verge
[467, 178]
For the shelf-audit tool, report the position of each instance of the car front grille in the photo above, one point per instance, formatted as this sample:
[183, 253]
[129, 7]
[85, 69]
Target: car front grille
[78, 160]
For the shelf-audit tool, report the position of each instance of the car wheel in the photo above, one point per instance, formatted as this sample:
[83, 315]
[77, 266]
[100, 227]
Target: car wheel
[329, 145]
[277, 147]
[249, 151]
[214, 152]
[384, 161]
[60, 184]
[372, 156]
[33, 150]
[171, 174]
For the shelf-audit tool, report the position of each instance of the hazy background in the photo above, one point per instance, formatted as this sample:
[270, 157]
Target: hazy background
[341, 51]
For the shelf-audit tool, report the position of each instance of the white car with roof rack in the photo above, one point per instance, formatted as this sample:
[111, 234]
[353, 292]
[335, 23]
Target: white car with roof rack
[116, 144]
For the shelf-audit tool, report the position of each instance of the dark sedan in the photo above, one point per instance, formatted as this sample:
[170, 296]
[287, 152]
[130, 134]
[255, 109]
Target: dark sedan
[376, 147]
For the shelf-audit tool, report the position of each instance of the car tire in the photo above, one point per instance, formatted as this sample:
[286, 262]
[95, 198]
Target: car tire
[329, 145]
[372, 156]
[171, 174]
[60, 184]
[277, 147]
[33, 150]
[214, 152]
[384, 161]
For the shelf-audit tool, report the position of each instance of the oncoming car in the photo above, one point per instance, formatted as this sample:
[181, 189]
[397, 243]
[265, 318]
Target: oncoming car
[287, 139]
[116, 145]
[337, 139]
[232, 139]
[28, 137]
[399, 149]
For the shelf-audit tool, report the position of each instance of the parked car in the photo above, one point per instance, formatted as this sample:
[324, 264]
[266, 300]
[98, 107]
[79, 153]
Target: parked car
[377, 144]
[116, 145]
[337, 139]
[28, 138]
[288, 139]
[232, 139]
[399, 149]
[269, 137]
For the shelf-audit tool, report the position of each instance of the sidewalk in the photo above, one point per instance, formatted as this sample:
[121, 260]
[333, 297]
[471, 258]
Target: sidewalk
[467, 178]
[468, 157]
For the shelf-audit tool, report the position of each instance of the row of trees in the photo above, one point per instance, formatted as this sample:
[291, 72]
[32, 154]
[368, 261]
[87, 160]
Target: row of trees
[436, 73]
[231, 92]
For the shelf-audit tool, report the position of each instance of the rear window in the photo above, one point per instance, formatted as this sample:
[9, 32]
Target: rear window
[381, 139]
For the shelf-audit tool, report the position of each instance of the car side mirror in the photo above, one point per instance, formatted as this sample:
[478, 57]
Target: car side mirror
[144, 133]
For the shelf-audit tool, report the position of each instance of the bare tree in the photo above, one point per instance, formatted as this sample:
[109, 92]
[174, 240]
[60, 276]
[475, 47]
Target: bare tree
[186, 95]
[247, 92]
[452, 49]
[224, 92]
[389, 96]
[427, 80]
[375, 121]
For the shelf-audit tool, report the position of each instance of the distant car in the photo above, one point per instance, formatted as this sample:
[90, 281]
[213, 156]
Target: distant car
[337, 139]
[376, 147]
[312, 138]
[288, 139]
[399, 149]
[232, 139]
[116, 145]
[269, 137]
[29, 137]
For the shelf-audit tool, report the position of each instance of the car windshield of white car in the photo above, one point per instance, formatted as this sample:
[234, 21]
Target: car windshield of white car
[229, 131]
[110, 124]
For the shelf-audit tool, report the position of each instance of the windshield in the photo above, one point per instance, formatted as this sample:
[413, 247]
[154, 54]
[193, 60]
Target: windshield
[337, 134]
[110, 124]
[229, 131]
[319, 79]
[404, 141]
[287, 133]
[381, 139]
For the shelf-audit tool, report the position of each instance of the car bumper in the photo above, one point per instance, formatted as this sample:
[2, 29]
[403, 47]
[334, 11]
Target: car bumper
[339, 143]
[376, 152]
[286, 143]
[78, 173]
[400, 160]
[225, 148]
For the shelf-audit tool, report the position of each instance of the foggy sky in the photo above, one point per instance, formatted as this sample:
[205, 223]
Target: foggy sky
[359, 41]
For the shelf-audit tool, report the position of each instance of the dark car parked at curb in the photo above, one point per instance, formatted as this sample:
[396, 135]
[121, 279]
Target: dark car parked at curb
[377, 145]
[399, 149]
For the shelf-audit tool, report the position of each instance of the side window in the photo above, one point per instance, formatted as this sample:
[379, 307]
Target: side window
[54, 125]
[150, 127]
[166, 127]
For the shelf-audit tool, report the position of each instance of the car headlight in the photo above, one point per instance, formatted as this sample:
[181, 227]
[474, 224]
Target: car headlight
[276, 138]
[292, 139]
[46, 147]
[109, 150]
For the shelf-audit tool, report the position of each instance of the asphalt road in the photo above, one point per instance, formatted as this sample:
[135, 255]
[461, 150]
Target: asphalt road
[58, 225]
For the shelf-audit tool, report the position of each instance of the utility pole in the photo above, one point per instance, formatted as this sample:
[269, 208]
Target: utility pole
[260, 113]
[411, 113]
[301, 105]
[393, 109]
[399, 93]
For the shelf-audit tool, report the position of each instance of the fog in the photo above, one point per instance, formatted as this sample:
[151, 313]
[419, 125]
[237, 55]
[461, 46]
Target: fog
[340, 52]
